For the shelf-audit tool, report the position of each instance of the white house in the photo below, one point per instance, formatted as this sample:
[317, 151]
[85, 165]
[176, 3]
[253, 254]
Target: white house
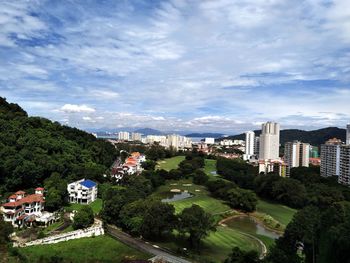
[82, 191]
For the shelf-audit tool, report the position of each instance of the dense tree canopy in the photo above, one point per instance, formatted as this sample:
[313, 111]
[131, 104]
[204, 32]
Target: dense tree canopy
[32, 148]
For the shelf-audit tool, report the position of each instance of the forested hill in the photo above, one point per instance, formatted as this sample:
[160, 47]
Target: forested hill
[316, 137]
[32, 148]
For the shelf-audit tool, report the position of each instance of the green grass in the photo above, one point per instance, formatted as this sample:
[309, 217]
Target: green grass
[201, 197]
[281, 213]
[215, 247]
[210, 166]
[220, 243]
[96, 206]
[91, 249]
[170, 163]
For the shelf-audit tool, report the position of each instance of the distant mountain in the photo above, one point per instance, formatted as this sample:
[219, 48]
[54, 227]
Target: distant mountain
[316, 137]
[205, 135]
[149, 131]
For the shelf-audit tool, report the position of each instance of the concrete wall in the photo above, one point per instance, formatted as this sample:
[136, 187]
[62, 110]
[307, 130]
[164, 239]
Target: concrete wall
[95, 230]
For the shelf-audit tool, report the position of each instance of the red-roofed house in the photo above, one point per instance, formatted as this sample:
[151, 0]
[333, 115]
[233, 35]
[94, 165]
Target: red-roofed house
[21, 208]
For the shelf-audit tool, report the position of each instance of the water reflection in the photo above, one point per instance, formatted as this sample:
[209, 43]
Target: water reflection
[247, 224]
[172, 197]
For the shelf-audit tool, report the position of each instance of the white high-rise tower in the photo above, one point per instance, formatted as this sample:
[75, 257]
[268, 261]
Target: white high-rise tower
[269, 141]
[249, 145]
[347, 134]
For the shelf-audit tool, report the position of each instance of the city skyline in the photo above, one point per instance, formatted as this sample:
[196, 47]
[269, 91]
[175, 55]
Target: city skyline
[206, 66]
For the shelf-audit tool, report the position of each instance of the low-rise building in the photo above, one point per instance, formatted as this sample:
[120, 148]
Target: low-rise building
[273, 166]
[209, 140]
[82, 191]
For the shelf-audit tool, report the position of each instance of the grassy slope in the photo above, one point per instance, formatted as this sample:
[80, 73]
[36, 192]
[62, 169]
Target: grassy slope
[210, 166]
[97, 249]
[170, 163]
[279, 212]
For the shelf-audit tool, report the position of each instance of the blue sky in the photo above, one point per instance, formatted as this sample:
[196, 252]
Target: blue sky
[222, 65]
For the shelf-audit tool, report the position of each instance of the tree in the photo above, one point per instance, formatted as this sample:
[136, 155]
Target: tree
[200, 177]
[149, 165]
[5, 230]
[113, 202]
[131, 216]
[83, 218]
[239, 256]
[56, 189]
[197, 223]
[245, 200]
[159, 218]
[290, 192]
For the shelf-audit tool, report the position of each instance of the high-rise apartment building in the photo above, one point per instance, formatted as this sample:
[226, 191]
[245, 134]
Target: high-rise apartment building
[347, 134]
[136, 136]
[125, 136]
[269, 141]
[344, 165]
[330, 158]
[256, 145]
[249, 145]
[296, 154]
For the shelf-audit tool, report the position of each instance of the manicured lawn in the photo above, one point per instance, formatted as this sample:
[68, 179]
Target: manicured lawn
[201, 197]
[217, 246]
[97, 249]
[170, 163]
[210, 166]
[220, 243]
[281, 213]
[96, 206]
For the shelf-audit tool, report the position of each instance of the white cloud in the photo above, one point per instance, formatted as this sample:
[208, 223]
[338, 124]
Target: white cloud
[180, 65]
[72, 108]
[104, 94]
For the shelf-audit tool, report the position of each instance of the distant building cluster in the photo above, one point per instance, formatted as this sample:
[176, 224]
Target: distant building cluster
[333, 157]
[176, 141]
[264, 151]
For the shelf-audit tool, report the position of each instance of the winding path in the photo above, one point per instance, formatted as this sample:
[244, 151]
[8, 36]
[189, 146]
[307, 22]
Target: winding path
[144, 246]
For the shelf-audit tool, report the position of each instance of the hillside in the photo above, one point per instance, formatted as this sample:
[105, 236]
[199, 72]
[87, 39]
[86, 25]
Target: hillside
[32, 148]
[315, 137]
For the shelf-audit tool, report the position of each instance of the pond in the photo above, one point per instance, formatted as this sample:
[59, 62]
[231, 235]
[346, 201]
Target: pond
[172, 197]
[250, 226]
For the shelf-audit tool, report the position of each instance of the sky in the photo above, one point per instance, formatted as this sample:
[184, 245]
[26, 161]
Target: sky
[178, 65]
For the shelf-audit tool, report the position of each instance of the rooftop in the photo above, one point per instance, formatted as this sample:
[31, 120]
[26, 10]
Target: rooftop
[88, 183]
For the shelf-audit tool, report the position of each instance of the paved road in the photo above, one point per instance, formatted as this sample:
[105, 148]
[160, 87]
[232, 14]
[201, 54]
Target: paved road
[142, 245]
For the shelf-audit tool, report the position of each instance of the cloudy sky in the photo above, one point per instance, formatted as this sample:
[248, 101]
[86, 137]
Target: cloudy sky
[196, 65]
